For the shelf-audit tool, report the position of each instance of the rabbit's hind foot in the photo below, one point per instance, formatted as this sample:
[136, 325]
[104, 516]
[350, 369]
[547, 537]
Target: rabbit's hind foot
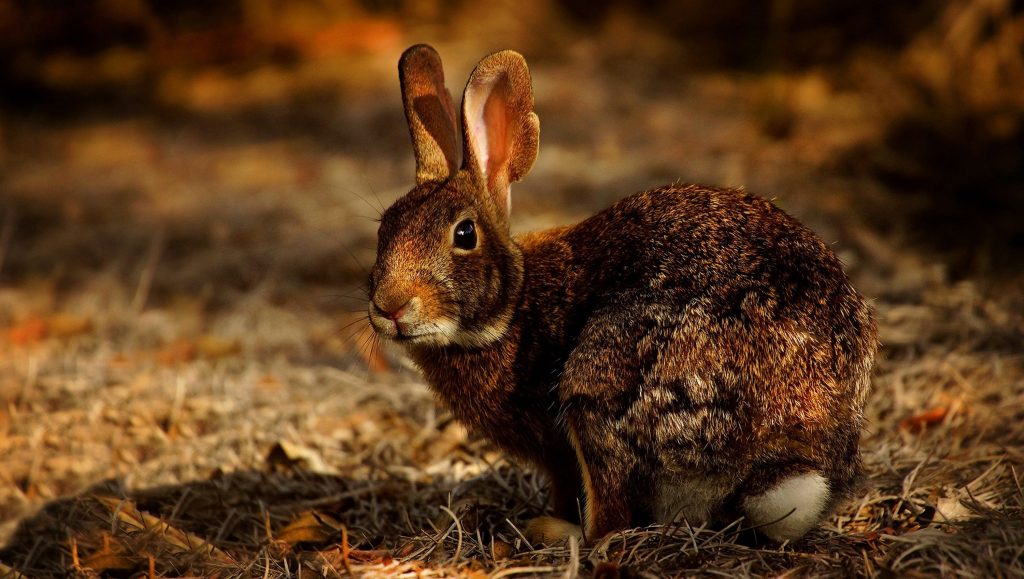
[551, 531]
[791, 508]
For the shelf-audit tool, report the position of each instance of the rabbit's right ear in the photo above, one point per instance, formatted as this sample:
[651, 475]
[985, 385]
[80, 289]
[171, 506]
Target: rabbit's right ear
[429, 111]
[501, 132]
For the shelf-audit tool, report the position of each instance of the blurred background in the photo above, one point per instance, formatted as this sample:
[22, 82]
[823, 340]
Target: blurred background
[240, 141]
[188, 193]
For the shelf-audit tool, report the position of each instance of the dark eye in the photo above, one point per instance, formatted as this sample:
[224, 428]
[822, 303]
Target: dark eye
[465, 235]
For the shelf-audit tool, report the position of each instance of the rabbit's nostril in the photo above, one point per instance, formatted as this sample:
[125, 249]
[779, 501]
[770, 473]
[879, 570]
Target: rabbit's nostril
[397, 314]
[394, 314]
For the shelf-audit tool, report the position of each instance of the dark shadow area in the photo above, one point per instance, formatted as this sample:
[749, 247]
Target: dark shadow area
[255, 522]
[229, 522]
[962, 191]
[955, 178]
[69, 60]
[770, 34]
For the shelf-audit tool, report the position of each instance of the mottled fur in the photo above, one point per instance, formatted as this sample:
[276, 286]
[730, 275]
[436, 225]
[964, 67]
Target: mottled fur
[679, 353]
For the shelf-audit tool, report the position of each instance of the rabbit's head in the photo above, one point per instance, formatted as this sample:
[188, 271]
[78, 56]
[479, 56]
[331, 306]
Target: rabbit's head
[447, 271]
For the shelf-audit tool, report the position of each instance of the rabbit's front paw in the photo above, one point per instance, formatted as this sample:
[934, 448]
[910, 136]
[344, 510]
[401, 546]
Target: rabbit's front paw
[551, 531]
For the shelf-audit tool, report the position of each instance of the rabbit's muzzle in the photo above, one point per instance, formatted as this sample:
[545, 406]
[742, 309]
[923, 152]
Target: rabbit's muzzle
[407, 315]
[399, 317]
[395, 314]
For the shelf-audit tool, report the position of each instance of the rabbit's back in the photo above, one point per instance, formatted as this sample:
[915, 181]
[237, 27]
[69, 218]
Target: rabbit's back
[733, 254]
[709, 331]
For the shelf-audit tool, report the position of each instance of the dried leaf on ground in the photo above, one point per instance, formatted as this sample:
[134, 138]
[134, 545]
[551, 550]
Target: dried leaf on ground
[69, 325]
[288, 455]
[919, 422]
[134, 522]
[310, 527]
[28, 331]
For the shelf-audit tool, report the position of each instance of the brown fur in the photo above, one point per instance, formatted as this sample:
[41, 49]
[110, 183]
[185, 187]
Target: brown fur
[429, 112]
[685, 332]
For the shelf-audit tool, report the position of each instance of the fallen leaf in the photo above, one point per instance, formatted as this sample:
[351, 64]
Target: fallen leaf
[919, 422]
[69, 325]
[337, 558]
[215, 347]
[310, 527]
[500, 550]
[954, 510]
[381, 556]
[134, 521]
[607, 570]
[269, 383]
[290, 456]
[111, 561]
[871, 537]
[177, 353]
[120, 360]
[29, 331]
[10, 573]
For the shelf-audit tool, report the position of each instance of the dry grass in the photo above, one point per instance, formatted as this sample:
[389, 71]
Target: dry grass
[202, 485]
[185, 393]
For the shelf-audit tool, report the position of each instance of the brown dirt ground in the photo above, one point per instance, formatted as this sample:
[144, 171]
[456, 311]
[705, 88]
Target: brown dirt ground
[187, 390]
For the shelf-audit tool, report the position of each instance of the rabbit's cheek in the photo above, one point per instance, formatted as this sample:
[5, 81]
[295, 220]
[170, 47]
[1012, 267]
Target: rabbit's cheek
[485, 334]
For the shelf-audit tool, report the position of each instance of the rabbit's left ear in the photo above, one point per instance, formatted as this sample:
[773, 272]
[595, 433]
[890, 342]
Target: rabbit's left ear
[431, 116]
[501, 131]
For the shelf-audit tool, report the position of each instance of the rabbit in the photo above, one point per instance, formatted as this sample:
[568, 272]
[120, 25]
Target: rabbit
[690, 353]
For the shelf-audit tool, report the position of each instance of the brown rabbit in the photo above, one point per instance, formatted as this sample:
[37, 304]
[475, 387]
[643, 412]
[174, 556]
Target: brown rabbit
[688, 353]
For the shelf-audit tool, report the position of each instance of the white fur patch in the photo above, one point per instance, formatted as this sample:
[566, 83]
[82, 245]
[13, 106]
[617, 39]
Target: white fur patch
[791, 508]
[482, 337]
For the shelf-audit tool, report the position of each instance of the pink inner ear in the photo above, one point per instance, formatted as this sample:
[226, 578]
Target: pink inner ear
[489, 128]
[479, 142]
[495, 121]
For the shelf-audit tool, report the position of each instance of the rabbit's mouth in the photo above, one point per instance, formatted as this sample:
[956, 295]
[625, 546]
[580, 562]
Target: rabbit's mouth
[392, 330]
[421, 339]
[417, 338]
[405, 325]
[422, 321]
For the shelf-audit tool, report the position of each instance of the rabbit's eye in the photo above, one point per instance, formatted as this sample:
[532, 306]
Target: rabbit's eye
[465, 235]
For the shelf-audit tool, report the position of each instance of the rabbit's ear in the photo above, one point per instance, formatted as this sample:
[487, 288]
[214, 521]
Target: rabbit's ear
[431, 116]
[501, 132]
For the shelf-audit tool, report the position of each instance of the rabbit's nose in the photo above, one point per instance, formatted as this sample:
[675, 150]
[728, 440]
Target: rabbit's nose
[393, 314]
